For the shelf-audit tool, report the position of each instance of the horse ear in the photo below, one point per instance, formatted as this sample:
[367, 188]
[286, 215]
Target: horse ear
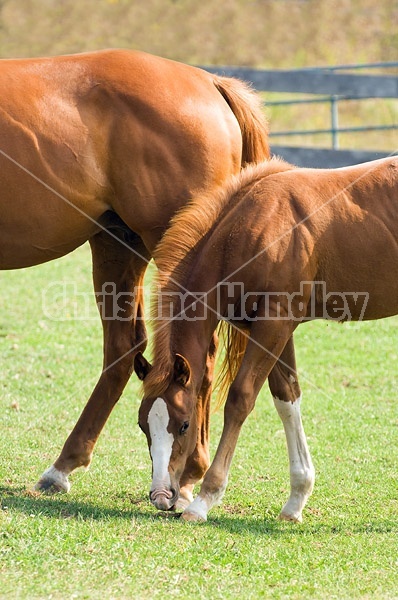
[141, 366]
[182, 370]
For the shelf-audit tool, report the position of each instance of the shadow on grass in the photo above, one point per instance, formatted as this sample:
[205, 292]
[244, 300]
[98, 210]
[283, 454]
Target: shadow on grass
[274, 527]
[63, 507]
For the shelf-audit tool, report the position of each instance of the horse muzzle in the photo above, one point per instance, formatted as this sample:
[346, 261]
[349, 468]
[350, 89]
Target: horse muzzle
[164, 499]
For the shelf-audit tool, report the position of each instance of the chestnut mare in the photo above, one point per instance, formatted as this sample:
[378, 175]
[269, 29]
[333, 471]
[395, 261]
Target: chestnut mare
[105, 147]
[275, 247]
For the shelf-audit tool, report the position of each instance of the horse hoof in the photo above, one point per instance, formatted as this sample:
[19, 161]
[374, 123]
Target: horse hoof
[53, 482]
[192, 517]
[50, 487]
[294, 518]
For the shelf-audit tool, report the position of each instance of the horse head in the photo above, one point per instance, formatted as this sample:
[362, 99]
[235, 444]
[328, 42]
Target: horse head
[169, 422]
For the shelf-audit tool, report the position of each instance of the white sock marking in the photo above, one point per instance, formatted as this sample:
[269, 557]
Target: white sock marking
[59, 478]
[302, 474]
[197, 508]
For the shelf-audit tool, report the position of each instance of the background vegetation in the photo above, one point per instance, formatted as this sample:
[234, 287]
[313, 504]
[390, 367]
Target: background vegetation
[261, 33]
[258, 33]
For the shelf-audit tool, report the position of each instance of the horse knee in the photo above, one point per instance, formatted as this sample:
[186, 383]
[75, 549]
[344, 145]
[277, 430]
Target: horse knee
[202, 461]
[196, 466]
[122, 344]
[119, 356]
[139, 330]
[240, 403]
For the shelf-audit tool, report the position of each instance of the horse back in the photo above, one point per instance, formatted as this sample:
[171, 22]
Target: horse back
[343, 234]
[337, 227]
[111, 130]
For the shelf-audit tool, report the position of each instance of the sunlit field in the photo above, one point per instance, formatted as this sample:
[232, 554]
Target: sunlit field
[104, 539]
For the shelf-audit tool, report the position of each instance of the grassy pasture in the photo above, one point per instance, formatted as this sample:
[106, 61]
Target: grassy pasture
[104, 540]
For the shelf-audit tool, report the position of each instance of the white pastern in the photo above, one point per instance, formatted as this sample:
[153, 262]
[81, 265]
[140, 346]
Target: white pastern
[161, 443]
[302, 473]
[196, 511]
[53, 478]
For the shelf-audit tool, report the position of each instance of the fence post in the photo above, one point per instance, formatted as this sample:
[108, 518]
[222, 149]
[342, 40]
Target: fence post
[335, 121]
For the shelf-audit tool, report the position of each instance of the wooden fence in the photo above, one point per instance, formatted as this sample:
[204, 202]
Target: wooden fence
[336, 86]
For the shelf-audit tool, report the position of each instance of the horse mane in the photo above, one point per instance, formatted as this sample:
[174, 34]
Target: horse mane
[186, 231]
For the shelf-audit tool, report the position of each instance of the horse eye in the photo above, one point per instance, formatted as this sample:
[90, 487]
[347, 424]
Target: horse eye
[184, 428]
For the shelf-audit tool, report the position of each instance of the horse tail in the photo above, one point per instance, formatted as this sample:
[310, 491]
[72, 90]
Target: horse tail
[234, 347]
[246, 105]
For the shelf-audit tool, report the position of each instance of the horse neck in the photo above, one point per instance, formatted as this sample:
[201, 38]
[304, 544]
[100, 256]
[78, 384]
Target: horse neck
[195, 316]
[191, 290]
[191, 334]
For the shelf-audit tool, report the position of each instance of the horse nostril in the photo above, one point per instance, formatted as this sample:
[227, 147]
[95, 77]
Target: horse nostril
[165, 498]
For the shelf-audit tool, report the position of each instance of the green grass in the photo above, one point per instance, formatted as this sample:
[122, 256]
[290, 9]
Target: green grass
[104, 540]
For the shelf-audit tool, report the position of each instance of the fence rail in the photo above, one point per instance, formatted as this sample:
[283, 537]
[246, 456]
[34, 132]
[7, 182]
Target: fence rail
[334, 87]
[315, 81]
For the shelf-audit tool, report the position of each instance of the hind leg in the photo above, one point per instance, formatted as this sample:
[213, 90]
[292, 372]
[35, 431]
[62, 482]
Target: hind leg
[118, 270]
[286, 392]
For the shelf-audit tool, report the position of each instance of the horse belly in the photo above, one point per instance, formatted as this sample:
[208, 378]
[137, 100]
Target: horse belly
[49, 204]
[20, 247]
[363, 285]
[38, 222]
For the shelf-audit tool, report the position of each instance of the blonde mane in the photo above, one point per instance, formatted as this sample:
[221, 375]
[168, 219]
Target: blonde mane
[186, 230]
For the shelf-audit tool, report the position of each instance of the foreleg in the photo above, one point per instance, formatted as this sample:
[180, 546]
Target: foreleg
[198, 463]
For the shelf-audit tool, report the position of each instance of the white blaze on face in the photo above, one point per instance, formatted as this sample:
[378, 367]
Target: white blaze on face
[161, 443]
